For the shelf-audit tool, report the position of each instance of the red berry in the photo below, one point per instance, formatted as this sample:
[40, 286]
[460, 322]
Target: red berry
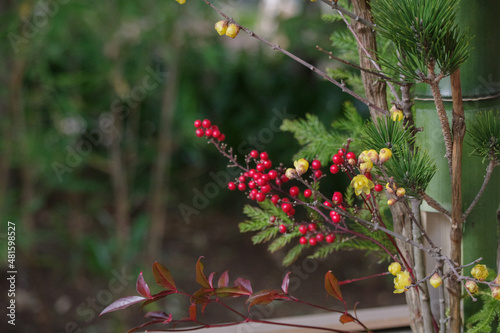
[260, 167]
[216, 133]
[251, 196]
[341, 152]
[337, 159]
[254, 153]
[206, 123]
[335, 217]
[303, 240]
[265, 178]
[200, 132]
[313, 242]
[294, 191]
[266, 188]
[242, 186]
[318, 173]
[378, 188]
[267, 164]
[208, 133]
[264, 156]
[257, 175]
[246, 174]
[342, 207]
[252, 184]
[197, 123]
[316, 164]
[337, 198]
[320, 237]
[252, 172]
[291, 212]
[330, 238]
[214, 127]
[260, 197]
[242, 178]
[286, 207]
[274, 199]
[327, 204]
[222, 137]
[282, 228]
[333, 213]
[307, 193]
[368, 175]
[272, 219]
[334, 169]
[254, 191]
[231, 186]
[303, 229]
[312, 226]
[273, 174]
[284, 178]
[261, 182]
[350, 155]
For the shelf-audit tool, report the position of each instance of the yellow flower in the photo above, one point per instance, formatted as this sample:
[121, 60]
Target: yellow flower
[495, 292]
[401, 282]
[396, 115]
[232, 30]
[479, 272]
[436, 280]
[301, 166]
[362, 184]
[221, 27]
[181, 1]
[472, 287]
[290, 173]
[384, 155]
[389, 188]
[395, 268]
[366, 167]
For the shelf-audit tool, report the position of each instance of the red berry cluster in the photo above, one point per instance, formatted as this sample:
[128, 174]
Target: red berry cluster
[205, 128]
[313, 236]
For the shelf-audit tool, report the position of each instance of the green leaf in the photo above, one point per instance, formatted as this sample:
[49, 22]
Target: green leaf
[293, 254]
[265, 235]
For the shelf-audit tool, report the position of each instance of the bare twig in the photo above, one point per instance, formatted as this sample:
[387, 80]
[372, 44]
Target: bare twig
[434, 204]
[301, 61]
[489, 170]
[342, 10]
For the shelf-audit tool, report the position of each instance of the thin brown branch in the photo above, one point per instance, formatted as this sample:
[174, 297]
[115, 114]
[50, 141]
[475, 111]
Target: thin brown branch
[434, 204]
[301, 61]
[489, 171]
[342, 10]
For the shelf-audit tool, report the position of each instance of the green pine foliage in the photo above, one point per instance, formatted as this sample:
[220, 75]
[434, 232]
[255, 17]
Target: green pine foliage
[424, 32]
[386, 133]
[484, 135]
[483, 321]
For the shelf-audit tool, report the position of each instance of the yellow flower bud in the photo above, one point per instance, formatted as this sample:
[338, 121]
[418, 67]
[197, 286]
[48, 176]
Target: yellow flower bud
[400, 192]
[385, 155]
[291, 173]
[181, 1]
[221, 27]
[396, 114]
[366, 167]
[232, 30]
[495, 292]
[352, 161]
[497, 280]
[372, 156]
[362, 184]
[362, 157]
[394, 268]
[401, 282]
[479, 272]
[301, 166]
[391, 202]
[436, 280]
[472, 287]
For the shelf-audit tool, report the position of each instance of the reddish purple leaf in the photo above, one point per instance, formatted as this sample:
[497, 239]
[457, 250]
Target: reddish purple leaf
[243, 283]
[122, 303]
[157, 315]
[202, 294]
[142, 287]
[200, 276]
[286, 282]
[346, 318]
[192, 312]
[232, 292]
[264, 297]
[157, 297]
[224, 280]
[332, 286]
[211, 279]
[163, 277]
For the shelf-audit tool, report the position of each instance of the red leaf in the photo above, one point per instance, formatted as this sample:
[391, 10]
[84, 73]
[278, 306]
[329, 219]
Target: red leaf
[265, 297]
[192, 312]
[346, 318]
[122, 303]
[232, 292]
[142, 287]
[200, 276]
[157, 297]
[211, 279]
[224, 280]
[163, 277]
[202, 295]
[243, 283]
[332, 286]
[157, 315]
[286, 282]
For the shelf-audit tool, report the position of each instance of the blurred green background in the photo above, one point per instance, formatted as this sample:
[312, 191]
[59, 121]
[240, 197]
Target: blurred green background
[98, 151]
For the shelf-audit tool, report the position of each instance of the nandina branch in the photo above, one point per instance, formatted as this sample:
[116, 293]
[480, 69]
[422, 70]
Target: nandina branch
[301, 61]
